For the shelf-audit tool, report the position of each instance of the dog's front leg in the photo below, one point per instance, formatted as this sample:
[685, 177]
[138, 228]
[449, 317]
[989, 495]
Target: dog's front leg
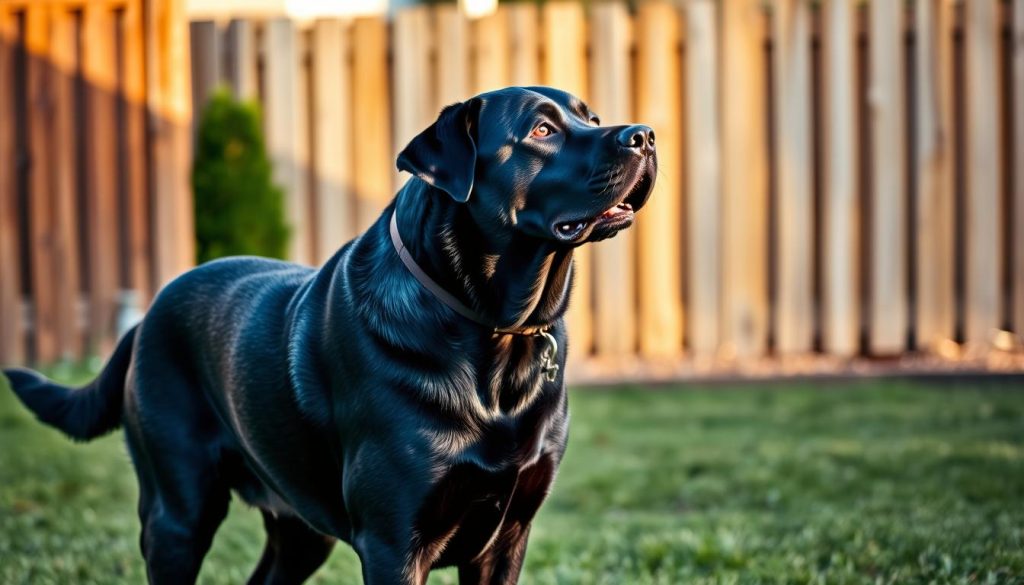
[387, 562]
[500, 564]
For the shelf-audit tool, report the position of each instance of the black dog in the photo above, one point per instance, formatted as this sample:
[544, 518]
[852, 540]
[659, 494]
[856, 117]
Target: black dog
[406, 397]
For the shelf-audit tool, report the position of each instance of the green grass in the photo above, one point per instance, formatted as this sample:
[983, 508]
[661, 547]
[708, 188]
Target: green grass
[872, 482]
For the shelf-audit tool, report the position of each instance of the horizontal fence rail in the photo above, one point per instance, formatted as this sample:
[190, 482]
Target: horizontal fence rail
[95, 209]
[840, 178]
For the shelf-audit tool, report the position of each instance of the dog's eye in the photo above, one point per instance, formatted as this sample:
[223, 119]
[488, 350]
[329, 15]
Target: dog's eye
[542, 130]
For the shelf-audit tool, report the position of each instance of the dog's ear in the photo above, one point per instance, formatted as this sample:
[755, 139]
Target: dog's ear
[444, 154]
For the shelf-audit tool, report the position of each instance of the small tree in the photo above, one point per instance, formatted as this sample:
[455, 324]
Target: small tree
[239, 210]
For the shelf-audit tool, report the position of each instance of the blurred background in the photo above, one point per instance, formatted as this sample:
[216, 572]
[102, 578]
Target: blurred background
[839, 206]
[839, 180]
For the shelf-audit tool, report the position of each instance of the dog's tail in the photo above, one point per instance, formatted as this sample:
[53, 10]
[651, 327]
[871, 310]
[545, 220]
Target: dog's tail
[84, 413]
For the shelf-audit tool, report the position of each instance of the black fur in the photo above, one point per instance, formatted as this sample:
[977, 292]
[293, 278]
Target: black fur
[347, 402]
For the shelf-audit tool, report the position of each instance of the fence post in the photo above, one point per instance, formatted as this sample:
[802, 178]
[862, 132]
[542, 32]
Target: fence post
[63, 157]
[100, 67]
[744, 179]
[490, 44]
[704, 186]
[614, 271]
[841, 215]
[411, 77]
[452, 56]
[1018, 165]
[524, 62]
[40, 200]
[240, 61]
[659, 227]
[205, 50]
[564, 36]
[332, 129]
[794, 163]
[936, 313]
[285, 131]
[888, 306]
[372, 124]
[134, 168]
[168, 91]
[12, 333]
[983, 298]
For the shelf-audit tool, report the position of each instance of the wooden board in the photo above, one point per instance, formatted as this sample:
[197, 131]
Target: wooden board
[659, 225]
[332, 152]
[452, 42]
[40, 198]
[240, 59]
[936, 311]
[490, 47]
[983, 228]
[1018, 166]
[284, 133]
[12, 349]
[64, 170]
[744, 179]
[133, 88]
[704, 184]
[100, 70]
[841, 196]
[411, 44]
[565, 65]
[206, 52]
[168, 96]
[372, 122]
[613, 260]
[524, 43]
[794, 175]
[888, 293]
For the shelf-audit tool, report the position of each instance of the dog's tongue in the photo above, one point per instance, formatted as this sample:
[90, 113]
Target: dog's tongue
[617, 209]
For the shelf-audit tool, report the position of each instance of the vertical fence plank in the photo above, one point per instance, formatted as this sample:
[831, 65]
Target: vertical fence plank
[134, 92]
[100, 67]
[168, 96]
[1018, 165]
[982, 168]
[744, 178]
[372, 122]
[794, 321]
[840, 257]
[411, 78]
[64, 170]
[703, 179]
[205, 50]
[12, 350]
[936, 312]
[524, 64]
[565, 65]
[40, 200]
[332, 152]
[284, 133]
[490, 42]
[614, 270]
[452, 56]
[888, 327]
[240, 59]
[658, 230]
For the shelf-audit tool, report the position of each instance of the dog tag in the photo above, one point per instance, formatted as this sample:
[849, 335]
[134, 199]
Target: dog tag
[548, 367]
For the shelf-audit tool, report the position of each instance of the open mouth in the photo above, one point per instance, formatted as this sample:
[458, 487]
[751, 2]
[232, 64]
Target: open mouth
[613, 219]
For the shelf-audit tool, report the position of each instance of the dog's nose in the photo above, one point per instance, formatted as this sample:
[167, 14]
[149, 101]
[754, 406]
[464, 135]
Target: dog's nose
[637, 136]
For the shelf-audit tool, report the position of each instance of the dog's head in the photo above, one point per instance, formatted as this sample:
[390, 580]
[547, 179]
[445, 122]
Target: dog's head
[537, 160]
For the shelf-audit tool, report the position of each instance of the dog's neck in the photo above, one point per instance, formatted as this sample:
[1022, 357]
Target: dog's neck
[512, 279]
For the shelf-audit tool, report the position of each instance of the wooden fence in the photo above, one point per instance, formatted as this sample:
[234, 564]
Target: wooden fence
[844, 177]
[94, 162]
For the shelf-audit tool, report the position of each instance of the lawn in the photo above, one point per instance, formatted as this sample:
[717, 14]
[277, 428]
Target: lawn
[866, 482]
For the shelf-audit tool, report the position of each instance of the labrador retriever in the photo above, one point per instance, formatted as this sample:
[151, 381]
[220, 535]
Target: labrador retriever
[406, 397]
